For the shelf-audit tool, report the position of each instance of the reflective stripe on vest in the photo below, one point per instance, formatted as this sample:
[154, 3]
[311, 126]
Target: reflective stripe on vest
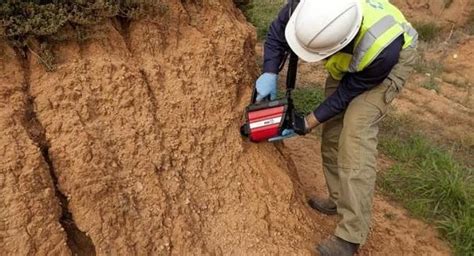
[411, 32]
[372, 34]
[382, 24]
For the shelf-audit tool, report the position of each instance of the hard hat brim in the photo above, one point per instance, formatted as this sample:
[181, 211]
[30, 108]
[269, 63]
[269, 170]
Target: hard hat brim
[295, 45]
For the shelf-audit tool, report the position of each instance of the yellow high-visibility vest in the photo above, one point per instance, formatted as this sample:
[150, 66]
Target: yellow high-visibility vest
[382, 23]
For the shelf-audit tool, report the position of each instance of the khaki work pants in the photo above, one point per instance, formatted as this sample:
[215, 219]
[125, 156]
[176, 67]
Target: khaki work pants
[349, 150]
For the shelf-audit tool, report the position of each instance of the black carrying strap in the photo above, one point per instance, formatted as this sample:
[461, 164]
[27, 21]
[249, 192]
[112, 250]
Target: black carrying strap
[292, 116]
[292, 69]
[293, 62]
[293, 4]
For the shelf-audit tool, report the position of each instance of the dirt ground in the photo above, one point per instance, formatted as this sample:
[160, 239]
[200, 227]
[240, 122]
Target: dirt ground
[394, 231]
[131, 147]
[448, 113]
[445, 114]
[444, 13]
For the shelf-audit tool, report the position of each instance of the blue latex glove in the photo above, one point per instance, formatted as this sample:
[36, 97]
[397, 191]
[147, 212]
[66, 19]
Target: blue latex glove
[288, 132]
[285, 134]
[267, 85]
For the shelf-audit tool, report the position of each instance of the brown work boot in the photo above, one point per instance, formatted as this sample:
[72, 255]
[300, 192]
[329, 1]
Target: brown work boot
[335, 246]
[326, 206]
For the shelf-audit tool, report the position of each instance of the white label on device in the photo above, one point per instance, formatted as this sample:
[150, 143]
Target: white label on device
[267, 122]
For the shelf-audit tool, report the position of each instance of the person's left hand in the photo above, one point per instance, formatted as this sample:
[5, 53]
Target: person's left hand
[266, 85]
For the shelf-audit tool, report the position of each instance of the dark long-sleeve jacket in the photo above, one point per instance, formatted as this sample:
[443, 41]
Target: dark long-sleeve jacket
[351, 85]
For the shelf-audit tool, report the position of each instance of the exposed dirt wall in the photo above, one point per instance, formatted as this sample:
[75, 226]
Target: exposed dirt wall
[141, 132]
[442, 12]
[30, 211]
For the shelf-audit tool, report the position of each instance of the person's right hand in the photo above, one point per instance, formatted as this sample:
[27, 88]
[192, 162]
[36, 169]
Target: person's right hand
[267, 85]
[303, 125]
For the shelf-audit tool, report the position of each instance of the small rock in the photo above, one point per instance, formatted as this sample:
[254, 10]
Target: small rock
[139, 186]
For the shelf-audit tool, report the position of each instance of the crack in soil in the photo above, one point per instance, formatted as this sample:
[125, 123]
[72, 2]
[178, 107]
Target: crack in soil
[151, 95]
[124, 30]
[78, 242]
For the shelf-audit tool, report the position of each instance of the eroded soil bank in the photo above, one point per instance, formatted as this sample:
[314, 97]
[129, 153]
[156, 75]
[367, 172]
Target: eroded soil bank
[131, 147]
[134, 140]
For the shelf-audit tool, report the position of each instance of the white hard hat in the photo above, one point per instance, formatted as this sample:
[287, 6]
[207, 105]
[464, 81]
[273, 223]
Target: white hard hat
[320, 28]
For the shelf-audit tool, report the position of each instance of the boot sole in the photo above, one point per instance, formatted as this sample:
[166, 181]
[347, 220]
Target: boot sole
[321, 209]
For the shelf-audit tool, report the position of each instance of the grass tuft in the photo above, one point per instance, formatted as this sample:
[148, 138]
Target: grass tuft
[261, 13]
[307, 99]
[433, 71]
[432, 185]
[427, 32]
[431, 84]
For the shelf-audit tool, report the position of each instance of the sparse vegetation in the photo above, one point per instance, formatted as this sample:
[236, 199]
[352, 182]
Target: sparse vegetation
[427, 32]
[432, 70]
[261, 13]
[431, 67]
[402, 126]
[431, 183]
[470, 23]
[431, 84]
[306, 99]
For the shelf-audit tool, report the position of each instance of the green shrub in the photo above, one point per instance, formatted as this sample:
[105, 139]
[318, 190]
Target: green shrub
[46, 17]
[40, 21]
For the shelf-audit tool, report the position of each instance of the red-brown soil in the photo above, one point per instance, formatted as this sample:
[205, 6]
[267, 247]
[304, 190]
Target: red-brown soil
[131, 147]
[30, 211]
[446, 114]
[140, 128]
[445, 13]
